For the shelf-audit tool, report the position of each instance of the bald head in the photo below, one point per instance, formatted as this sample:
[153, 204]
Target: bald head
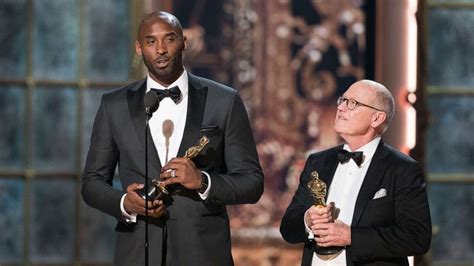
[162, 16]
[383, 98]
[161, 43]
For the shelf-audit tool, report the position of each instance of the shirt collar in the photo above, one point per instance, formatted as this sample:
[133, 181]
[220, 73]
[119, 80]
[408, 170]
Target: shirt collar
[368, 149]
[181, 82]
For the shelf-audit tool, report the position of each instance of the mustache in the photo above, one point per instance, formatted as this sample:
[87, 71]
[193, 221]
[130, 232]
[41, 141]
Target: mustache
[162, 58]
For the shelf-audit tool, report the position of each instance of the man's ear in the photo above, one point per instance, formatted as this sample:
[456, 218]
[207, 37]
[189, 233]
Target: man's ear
[378, 119]
[138, 48]
[184, 42]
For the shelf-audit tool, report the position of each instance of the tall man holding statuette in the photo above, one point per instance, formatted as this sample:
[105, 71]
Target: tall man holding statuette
[192, 226]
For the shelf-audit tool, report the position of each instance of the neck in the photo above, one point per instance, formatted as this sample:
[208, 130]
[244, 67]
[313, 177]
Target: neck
[356, 142]
[167, 80]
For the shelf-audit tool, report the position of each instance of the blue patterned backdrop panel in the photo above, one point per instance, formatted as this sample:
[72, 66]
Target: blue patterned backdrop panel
[54, 130]
[13, 39]
[449, 141]
[53, 222]
[12, 218]
[12, 128]
[107, 44]
[56, 39]
[451, 213]
[451, 47]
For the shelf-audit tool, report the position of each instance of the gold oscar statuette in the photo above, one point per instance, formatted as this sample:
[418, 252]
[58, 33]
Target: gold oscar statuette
[318, 190]
[191, 152]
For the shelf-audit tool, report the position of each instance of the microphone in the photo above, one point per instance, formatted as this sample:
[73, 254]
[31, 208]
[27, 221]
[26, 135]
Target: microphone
[152, 102]
[168, 128]
[157, 191]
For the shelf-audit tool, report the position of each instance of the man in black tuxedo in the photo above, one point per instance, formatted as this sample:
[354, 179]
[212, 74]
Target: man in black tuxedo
[193, 227]
[378, 209]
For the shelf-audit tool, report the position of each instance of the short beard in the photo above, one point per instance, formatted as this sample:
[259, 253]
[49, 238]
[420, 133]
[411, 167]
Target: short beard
[173, 69]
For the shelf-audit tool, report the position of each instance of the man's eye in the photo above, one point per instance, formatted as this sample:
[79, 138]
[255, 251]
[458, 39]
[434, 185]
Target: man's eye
[170, 39]
[150, 41]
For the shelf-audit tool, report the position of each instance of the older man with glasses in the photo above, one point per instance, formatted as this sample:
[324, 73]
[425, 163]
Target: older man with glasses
[378, 211]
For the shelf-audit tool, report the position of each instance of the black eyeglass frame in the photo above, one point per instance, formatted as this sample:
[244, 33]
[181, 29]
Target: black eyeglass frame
[356, 103]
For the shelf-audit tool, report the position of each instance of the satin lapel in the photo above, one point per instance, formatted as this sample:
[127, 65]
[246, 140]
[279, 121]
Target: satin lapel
[196, 104]
[329, 168]
[371, 181]
[136, 107]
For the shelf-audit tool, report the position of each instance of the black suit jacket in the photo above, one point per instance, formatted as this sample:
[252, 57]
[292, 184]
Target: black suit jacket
[197, 231]
[385, 230]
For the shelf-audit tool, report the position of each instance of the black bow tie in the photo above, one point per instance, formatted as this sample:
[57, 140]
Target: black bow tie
[174, 93]
[344, 156]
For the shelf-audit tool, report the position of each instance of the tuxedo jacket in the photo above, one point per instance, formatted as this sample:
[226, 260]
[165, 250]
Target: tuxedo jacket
[384, 230]
[193, 231]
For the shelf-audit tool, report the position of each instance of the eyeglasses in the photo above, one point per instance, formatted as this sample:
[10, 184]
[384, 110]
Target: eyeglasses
[352, 104]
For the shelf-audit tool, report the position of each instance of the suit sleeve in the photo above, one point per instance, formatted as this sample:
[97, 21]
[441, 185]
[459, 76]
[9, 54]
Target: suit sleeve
[242, 181]
[100, 166]
[292, 226]
[410, 234]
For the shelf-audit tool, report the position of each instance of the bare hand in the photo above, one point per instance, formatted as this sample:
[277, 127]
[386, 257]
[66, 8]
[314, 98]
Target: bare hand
[134, 203]
[319, 214]
[181, 171]
[332, 234]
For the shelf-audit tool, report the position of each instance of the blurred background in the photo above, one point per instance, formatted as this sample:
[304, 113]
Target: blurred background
[289, 59]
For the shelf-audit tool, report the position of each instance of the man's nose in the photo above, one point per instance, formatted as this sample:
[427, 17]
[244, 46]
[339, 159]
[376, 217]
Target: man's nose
[161, 48]
[342, 106]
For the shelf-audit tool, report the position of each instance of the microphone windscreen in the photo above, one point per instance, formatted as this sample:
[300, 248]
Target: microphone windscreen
[152, 101]
[168, 128]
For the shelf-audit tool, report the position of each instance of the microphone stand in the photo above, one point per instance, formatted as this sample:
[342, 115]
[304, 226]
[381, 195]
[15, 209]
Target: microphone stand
[147, 129]
[151, 105]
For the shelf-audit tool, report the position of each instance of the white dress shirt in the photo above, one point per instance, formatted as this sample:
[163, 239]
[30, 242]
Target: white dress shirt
[173, 116]
[343, 191]
[174, 113]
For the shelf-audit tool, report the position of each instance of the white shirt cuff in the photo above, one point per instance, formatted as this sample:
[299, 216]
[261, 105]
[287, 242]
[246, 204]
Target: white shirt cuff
[306, 227]
[129, 218]
[206, 193]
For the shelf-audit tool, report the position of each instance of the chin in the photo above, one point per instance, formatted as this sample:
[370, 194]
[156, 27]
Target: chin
[338, 129]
